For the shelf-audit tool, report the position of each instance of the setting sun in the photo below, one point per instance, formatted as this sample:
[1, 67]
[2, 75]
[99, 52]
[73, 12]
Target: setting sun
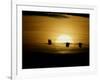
[63, 39]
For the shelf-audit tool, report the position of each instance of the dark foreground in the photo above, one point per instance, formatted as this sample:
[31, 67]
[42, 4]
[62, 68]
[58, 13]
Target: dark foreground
[35, 59]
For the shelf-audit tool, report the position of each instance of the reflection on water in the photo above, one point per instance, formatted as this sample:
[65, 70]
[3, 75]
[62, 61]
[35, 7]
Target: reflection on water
[58, 48]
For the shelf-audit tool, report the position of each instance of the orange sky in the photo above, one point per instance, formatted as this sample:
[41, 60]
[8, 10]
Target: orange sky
[39, 29]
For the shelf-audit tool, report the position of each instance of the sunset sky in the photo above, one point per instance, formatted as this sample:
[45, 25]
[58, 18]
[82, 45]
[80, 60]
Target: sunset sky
[38, 27]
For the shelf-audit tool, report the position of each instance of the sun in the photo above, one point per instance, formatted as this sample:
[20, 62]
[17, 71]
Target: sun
[63, 39]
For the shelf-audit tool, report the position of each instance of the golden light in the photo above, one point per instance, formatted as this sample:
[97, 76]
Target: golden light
[64, 39]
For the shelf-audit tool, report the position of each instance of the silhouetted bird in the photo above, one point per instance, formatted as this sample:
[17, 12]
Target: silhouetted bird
[67, 44]
[80, 45]
[49, 42]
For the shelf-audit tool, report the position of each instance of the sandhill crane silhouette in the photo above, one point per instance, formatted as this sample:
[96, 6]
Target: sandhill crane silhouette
[49, 42]
[67, 44]
[80, 45]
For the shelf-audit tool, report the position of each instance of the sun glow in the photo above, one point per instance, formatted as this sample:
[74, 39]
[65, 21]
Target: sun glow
[64, 39]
